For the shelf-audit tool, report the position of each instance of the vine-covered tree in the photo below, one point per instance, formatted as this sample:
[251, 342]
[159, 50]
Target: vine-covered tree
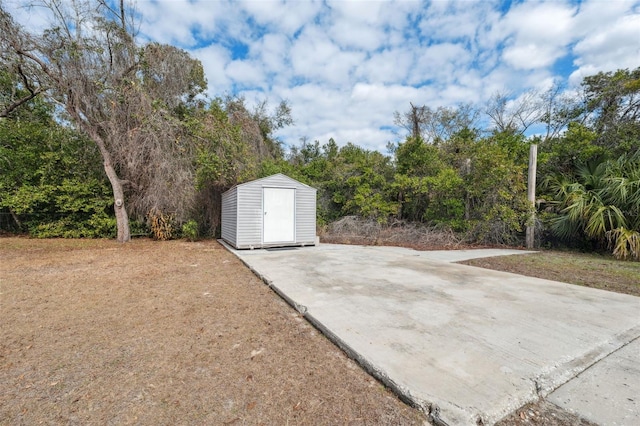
[124, 97]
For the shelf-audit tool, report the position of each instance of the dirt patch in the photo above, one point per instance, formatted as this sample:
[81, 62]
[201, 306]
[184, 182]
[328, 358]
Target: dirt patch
[543, 413]
[94, 332]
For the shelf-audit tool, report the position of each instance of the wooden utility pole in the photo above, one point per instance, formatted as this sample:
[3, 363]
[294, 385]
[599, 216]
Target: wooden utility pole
[531, 195]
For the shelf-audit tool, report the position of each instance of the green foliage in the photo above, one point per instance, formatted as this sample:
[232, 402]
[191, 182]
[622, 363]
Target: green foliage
[96, 226]
[51, 182]
[416, 158]
[496, 192]
[223, 157]
[466, 180]
[465, 183]
[446, 200]
[190, 230]
[564, 154]
[360, 184]
[612, 101]
[601, 203]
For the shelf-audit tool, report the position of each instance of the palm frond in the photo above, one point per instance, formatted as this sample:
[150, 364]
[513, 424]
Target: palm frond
[625, 243]
[604, 219]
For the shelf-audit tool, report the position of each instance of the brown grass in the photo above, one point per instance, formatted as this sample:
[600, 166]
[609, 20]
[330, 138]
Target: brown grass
[94, 332]
[353, 230]
[590, 270]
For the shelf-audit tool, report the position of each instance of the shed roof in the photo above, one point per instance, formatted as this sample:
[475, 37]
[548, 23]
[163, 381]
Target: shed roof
[270, 177]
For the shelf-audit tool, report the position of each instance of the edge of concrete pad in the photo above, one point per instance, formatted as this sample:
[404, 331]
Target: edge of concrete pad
[431, 410]
[541, 386]
[298, 307]
[605, 393]
[559, 374]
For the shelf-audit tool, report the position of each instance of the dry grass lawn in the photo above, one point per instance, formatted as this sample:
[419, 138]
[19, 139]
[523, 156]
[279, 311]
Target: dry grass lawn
[93, 332]
[586, 269]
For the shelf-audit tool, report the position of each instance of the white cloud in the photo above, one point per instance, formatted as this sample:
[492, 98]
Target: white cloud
[214, 59]
[32, 17]
[285, 16]
[346, 66]
[368, 12]
[611, 48]
[440, 63]
[388, 66]
[537, 34]
[272, 51]
[246, 73]
[315, 56]
[454, 20]
[180, 22]
[354, 35]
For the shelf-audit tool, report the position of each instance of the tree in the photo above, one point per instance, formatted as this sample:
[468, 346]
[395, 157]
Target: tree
[123, 97]
[436, 125]
[411, 120]
[514, 115]
[563, 154]
[496, 188]
[50, 188]
[415, 162]
[223, 158]
[613, 109]
[257, 126]
[559, 108]
[18, 94]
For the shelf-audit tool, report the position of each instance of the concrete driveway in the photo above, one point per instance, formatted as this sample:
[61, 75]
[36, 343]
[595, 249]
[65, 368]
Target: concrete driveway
[466, 344]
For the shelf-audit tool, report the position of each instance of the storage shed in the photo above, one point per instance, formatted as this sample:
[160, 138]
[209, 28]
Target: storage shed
[274, 211]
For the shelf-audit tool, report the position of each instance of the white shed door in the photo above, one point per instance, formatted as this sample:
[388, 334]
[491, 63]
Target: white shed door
[279, 215]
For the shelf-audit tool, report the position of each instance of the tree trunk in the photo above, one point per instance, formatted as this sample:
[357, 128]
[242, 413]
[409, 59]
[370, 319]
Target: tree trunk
[122, 218]
[15, 219]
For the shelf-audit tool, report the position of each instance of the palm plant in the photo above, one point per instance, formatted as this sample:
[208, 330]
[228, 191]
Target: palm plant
[601, 203]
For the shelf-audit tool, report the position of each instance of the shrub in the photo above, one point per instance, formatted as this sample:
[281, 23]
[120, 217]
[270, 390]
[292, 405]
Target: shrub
[190, 230]
[161, 225]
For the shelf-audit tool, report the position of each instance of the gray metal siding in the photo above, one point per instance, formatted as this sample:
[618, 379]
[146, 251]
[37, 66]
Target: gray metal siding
[249, 215]
[305, 215]
[247, 201]
[230, 216]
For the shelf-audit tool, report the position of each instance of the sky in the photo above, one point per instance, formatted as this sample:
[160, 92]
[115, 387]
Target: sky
[346, 66]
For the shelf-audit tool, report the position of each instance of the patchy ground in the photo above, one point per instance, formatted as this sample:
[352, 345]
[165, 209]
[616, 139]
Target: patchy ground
[182, 333]
[94, 332]
[543, 413]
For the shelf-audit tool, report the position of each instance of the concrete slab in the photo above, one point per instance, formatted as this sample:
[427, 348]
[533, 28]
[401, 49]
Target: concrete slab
[451, 256]
[607, 393]
[466, 344]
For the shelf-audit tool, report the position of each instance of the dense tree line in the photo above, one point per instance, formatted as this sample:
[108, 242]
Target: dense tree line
[451, 172]
[165, 149]
[97, 129]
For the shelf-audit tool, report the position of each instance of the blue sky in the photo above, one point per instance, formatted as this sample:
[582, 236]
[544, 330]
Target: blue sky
[346, 66]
